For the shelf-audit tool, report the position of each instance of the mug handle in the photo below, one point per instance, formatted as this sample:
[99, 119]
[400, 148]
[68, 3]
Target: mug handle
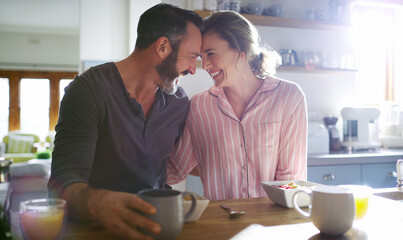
[297, 208]
[193, 207]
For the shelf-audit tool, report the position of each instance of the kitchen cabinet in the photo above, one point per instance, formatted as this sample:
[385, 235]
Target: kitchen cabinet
[281, 22]
[376, 169]
[335, 175]
[379, 175]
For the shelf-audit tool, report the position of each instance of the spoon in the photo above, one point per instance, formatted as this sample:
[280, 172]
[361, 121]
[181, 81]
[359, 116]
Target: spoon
[232, 213]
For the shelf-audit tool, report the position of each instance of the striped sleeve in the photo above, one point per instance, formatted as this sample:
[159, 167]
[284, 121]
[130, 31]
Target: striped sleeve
[293, 141]
[182, 160]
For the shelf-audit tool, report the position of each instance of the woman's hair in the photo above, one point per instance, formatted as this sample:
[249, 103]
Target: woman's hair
[242, 36]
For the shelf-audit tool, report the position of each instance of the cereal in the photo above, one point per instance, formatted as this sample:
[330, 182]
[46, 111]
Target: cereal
[290, 185]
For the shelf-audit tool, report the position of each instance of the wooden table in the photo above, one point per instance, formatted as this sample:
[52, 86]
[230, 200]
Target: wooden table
[384, 220]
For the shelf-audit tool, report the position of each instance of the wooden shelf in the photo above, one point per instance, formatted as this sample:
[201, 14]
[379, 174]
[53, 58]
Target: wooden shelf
[288, 22]
[287, 68]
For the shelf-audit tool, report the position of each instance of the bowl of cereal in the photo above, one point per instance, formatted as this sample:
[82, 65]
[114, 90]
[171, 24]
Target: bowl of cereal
[281, 192]
[201, 204]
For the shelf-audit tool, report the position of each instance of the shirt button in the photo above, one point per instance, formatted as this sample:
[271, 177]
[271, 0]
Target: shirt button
[244, 189]
[243, 167]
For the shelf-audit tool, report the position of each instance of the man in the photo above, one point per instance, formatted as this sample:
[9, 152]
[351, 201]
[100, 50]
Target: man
[119, 121]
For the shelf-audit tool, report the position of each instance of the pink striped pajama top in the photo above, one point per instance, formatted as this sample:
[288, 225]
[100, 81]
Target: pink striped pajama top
[233, 156]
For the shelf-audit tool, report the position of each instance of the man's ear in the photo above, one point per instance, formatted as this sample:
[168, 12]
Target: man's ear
[163, 47]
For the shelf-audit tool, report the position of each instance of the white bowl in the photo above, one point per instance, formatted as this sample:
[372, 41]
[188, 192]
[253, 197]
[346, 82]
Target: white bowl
[201, 204]
[283, 196]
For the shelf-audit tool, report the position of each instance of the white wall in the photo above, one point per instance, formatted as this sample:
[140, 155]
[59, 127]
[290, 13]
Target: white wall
[41, 34]
[104, 29]
[20, 50]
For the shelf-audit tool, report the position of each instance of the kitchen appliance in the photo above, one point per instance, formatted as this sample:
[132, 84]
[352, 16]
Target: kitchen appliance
[391, 125]
[360, 128]
[334, 136]
[318, 138]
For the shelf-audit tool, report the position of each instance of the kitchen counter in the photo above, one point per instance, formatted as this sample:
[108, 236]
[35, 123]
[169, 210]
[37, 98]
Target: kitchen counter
[357, 157]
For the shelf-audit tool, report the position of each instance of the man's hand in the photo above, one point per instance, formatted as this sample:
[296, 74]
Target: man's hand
[116, 211]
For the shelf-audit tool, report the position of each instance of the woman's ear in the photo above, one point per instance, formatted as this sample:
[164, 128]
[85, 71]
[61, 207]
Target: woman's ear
[163, 47]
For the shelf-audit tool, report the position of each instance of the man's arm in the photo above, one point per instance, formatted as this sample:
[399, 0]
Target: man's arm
[116, 211]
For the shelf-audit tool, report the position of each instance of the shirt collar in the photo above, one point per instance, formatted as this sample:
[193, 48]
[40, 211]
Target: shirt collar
[269, 84]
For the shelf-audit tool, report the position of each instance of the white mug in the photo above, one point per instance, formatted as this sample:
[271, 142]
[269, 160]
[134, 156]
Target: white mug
[332, 209]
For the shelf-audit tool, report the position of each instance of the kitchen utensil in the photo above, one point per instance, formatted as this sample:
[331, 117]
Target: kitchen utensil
[232, 213]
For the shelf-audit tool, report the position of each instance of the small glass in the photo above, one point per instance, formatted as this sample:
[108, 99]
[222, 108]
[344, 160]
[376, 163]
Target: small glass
[362, 195]
[42, 219]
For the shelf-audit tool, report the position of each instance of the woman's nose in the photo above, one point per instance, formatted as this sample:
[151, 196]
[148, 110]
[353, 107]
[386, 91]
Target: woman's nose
[205, 64]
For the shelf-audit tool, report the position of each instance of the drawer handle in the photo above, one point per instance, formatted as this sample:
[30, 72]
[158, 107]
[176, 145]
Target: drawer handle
[328, 177]
[392, 175]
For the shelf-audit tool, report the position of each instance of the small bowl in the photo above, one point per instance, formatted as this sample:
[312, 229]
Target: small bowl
[201, 204]
[283, 196]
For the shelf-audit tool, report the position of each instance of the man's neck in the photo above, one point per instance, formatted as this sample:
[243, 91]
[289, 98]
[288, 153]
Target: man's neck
[139, 76]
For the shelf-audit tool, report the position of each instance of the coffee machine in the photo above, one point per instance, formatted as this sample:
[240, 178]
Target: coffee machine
[360, 128]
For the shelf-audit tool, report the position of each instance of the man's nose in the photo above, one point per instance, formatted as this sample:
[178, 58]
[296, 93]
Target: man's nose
[192, 67]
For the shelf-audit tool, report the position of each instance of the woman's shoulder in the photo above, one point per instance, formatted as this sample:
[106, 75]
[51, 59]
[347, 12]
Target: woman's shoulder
[200, 96]
[273, 82]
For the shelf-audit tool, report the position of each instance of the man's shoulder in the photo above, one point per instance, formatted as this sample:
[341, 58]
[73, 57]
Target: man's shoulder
[99, 70]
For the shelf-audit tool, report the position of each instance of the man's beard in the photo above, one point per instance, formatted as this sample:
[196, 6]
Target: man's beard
[168, 73]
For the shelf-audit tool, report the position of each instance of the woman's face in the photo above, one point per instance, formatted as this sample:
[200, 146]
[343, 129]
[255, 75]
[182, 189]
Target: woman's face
[218, 59]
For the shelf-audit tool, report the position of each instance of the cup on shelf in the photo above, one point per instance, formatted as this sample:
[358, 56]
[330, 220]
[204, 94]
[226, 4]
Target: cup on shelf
[275, 10]
[312, 59]
[254, 8]
[233, 5]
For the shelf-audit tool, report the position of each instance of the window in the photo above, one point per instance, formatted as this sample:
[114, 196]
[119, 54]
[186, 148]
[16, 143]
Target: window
[4, 100]
[31, 100]
[376, 28]
[34, 103]
[63, 84]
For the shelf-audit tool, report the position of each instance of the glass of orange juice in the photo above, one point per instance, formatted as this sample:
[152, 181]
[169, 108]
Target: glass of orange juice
[361, 197]
[42, 219]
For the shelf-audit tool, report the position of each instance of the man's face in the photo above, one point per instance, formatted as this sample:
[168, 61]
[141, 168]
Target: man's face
[168, 73]
[181, 62]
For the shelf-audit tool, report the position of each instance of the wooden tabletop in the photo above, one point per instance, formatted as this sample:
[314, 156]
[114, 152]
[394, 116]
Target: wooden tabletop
[265, 218]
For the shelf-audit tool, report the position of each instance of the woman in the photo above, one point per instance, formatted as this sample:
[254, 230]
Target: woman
[249, 127]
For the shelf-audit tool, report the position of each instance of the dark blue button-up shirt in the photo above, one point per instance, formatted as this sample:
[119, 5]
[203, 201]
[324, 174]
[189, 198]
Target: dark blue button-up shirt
[103, 139]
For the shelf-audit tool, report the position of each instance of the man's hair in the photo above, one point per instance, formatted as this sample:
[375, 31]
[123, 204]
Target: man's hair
[165, 20]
